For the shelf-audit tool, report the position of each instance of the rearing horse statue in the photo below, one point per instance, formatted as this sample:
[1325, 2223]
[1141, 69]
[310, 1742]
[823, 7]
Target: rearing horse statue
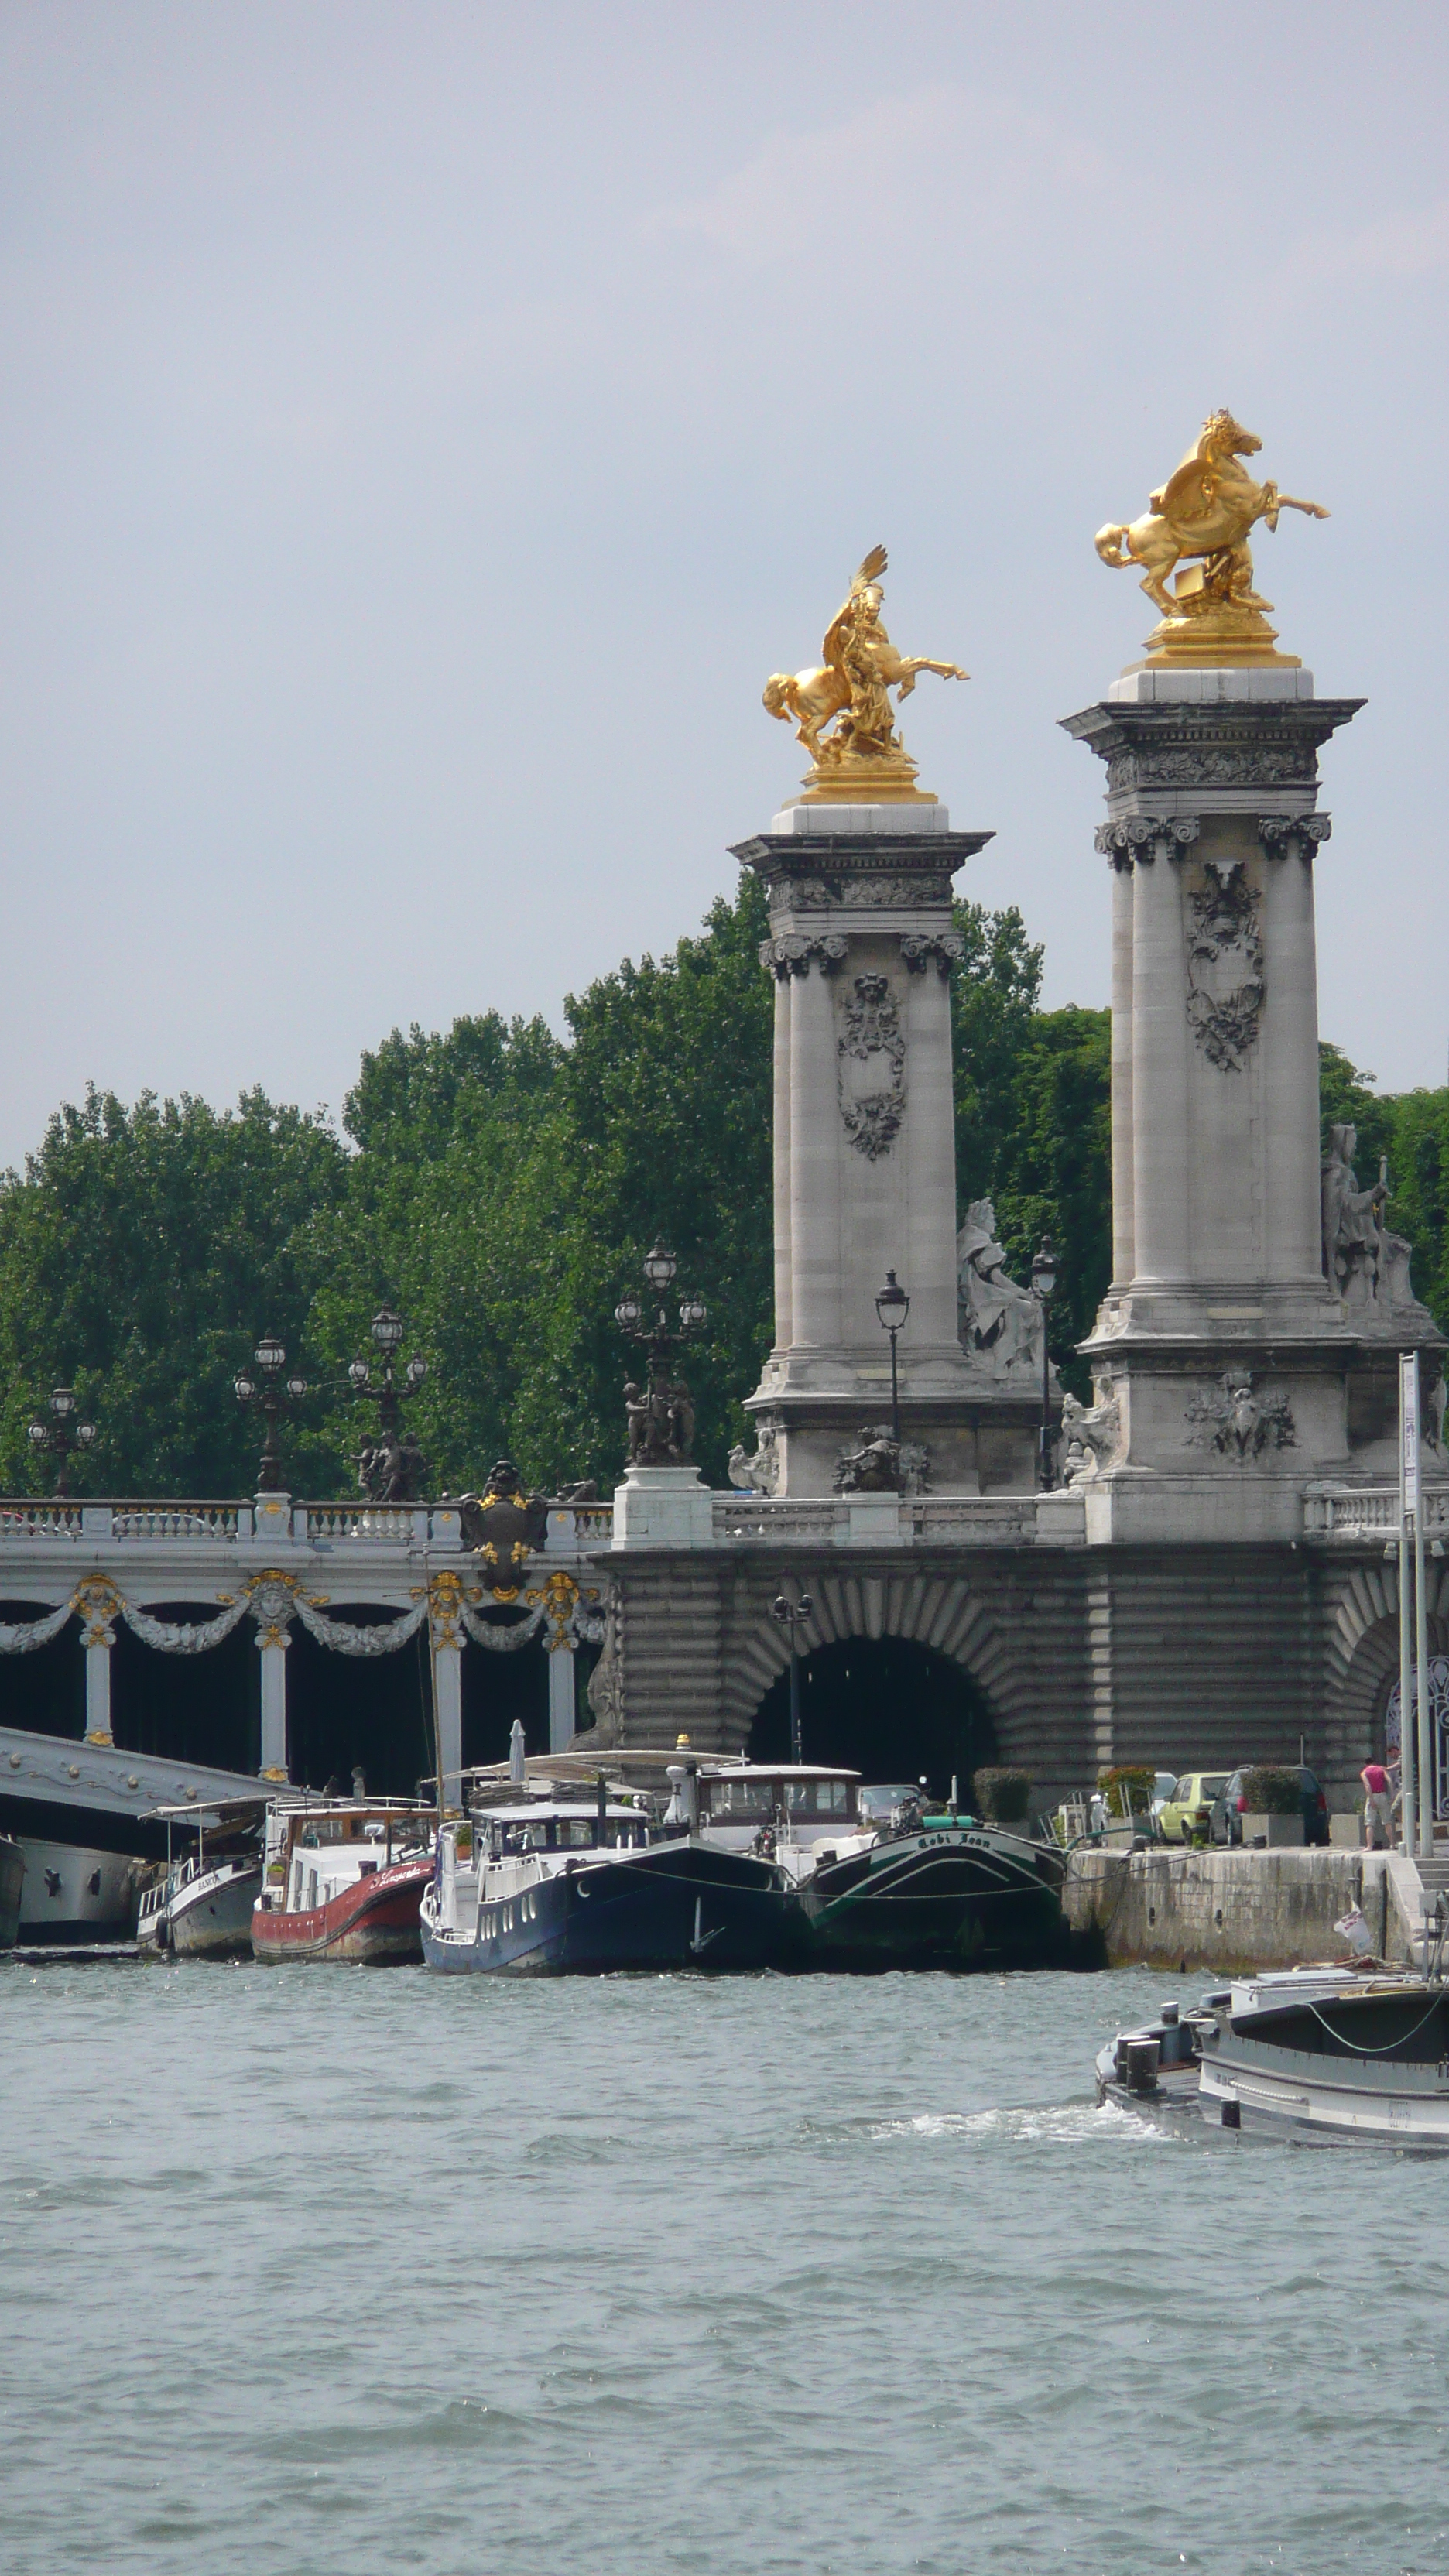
[1206, 508]
[861, 666]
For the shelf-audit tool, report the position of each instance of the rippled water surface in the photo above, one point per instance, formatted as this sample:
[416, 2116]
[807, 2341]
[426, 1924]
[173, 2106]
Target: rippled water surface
[327, 2269]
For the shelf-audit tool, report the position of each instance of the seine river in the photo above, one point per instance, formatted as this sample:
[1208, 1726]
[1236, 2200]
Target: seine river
[338, 2272]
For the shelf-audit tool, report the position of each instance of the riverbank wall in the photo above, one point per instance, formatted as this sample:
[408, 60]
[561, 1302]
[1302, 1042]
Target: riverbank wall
[1229, 1911]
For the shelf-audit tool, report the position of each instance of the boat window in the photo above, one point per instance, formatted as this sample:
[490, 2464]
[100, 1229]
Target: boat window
[575, 1833]
[818, 1797]
[732, 1800]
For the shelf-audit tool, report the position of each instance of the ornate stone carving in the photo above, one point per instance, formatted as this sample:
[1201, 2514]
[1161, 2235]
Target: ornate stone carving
[1090, 1438]
[1366, 1264]
[946, 947]
[1236, 1423]
[871, 1067]
[1136, 836]
[1279, 832]
[760, 1474]
[504, 1528]
[272, 1601]
[791, 955]
[1224, 966]
[869, 894]
[1000, 1323]
[1250, 761]
[877, 1465]
[661, 1422]
[391, 1468]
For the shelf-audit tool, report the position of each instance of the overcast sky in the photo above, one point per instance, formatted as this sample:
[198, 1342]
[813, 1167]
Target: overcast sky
[427, 423]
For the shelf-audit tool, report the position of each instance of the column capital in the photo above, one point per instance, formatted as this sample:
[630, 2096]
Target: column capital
[1136, 838]
[1282, 833]
[947, 947]
[791, 954]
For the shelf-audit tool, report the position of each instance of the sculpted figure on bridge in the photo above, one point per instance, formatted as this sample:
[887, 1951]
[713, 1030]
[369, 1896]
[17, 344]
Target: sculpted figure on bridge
[1205, 512]
[863, 758]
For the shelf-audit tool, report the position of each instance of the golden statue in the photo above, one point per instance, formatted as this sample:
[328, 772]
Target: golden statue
[1205, 510]
[863, 762]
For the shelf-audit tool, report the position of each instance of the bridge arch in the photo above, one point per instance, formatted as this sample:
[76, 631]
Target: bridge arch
[1363, 1653]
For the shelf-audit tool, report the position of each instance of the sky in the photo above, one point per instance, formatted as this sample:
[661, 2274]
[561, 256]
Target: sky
[427, 423]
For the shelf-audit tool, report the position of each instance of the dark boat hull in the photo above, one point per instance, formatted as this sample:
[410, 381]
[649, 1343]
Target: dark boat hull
[12, 1879]
[955, 1896]
[677, 1906]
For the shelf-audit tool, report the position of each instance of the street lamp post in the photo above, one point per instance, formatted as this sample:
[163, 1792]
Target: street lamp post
[61, 1436]
[661, 1422]
[390, 1468]
[892, 1306]
[273, 1399]
[1043, 1281]
[793, 1615]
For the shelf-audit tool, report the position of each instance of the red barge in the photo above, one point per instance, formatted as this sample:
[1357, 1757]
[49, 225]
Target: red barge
[343, 1880]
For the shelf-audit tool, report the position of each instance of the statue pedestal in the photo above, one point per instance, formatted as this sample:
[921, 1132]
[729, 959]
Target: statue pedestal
[1224, 1355]
[861, 947]
[663, 1507]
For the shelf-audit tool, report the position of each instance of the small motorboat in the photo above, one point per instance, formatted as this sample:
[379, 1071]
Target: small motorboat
[342, 1879]
[1338, 2052]
[917, 1890]
[543, 1881]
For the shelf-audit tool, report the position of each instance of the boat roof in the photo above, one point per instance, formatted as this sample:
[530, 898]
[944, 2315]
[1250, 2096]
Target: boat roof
[776, 1771]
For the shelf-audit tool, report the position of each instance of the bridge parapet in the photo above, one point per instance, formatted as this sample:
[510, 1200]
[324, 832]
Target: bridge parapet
[1352, 1513]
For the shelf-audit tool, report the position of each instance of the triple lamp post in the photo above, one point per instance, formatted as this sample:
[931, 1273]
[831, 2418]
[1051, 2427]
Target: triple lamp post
[273, 1400]
[61, 1436]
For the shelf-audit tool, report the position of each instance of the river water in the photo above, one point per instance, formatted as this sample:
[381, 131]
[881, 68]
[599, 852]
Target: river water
[339, 2272]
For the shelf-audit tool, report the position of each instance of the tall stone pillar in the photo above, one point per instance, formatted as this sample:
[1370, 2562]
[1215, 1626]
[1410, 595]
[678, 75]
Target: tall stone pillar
[861, 948]
[272, 1648]
[1239, 1350]
[98, 1603]
[561, 1700]
[448, 1678]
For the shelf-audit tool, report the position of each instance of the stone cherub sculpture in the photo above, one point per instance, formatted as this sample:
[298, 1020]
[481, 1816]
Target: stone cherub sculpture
[1000, 1322]
[1205, 512]
[1090, 1437]
[851, 686]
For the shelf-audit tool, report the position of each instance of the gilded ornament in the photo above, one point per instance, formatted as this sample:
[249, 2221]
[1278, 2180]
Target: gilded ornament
[1201, 519]
[862, 761]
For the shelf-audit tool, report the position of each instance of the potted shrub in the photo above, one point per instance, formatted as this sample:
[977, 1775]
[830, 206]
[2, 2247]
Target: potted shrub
[1002, 1796]
[1128, 1788]
[1273, 1810]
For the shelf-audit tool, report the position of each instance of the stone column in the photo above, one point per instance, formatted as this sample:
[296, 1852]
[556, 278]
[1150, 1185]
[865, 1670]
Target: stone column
[930, 1246]
[561, 1700]
[98, 1602]
[1124, 1257]
[1161, 1179]
[784, 1327]
[272, 1646]
[448, 1678]
[1290, 968]
[815, 1247]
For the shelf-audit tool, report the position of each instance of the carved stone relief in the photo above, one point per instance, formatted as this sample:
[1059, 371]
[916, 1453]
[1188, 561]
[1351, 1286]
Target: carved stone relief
[1236, 1423]
[759, 1474]
[1224, 966]
[864, 894]
[871, 1067]
[1245, 764]
[1091, 1436]
[877, 1465]
[998, 1321]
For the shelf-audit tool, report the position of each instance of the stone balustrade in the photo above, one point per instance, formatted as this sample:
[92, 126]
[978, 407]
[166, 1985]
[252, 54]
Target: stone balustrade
[1353, 1513]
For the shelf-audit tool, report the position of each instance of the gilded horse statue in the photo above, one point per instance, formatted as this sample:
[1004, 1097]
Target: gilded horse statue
[1205, 509]
[860, 667]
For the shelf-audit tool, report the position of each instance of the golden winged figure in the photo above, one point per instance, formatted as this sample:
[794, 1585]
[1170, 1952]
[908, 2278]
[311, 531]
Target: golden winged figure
[863, 757]
[1203, 515]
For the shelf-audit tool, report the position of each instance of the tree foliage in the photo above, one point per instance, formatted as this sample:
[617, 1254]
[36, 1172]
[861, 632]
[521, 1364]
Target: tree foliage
[501, 1186]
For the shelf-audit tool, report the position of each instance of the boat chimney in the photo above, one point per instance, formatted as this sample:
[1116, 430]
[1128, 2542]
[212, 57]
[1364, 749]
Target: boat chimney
[517, 1759]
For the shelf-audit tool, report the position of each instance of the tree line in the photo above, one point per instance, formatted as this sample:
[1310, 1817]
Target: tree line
[500, 1186]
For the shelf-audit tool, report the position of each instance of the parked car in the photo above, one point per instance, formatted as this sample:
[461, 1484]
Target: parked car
[1189, 1809]
[1164, 1785]
[1230, 1806]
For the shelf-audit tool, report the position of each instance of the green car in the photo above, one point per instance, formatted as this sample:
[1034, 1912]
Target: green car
[1188, 1809]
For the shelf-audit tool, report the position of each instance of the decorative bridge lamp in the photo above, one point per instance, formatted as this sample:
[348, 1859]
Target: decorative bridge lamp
[1043, 1281]
[793, 1615]
[661, 1420]
[892, 1306]
[390, 1469]
[273, 1401]
[61, 1436]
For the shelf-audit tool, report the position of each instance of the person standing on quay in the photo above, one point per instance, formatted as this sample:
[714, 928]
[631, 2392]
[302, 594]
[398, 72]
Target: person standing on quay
[1377, 1810]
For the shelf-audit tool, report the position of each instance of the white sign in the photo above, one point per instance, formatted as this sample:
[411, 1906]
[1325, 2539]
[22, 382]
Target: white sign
[1409, 1430]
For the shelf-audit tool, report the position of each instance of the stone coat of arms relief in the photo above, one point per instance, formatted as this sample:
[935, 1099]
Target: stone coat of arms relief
[870, 1056]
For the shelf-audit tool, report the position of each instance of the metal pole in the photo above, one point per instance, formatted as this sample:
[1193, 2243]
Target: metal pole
[895, 1401]
[1408, 1462]
[1046, 1406]
[1421, 1677]
[795, 1751]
